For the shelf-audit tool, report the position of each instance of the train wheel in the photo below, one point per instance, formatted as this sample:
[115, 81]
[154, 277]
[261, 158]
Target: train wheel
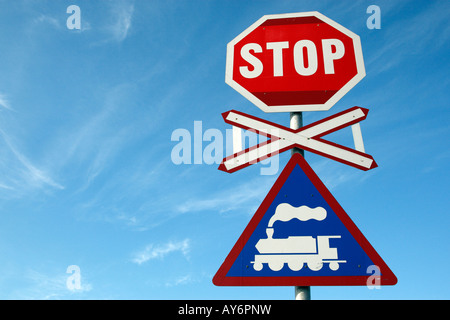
[257, 266]
[296, 265]
[276, 265]
[315, 265]
[334, 266]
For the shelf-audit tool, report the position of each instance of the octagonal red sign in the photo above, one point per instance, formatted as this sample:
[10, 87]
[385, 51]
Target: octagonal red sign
[294, 62]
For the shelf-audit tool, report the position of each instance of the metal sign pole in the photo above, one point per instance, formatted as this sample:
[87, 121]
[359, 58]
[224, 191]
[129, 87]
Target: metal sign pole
[296, 122]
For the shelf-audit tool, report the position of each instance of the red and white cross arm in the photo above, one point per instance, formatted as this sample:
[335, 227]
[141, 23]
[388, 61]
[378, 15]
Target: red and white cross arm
[308, 138]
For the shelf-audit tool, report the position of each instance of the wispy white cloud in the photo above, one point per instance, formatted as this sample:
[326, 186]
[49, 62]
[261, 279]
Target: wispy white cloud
[189, 279]
[122, 14]
[44, 286]
[19, 174]
[401, 37]
[335, 174]
[23, 172]
[4, 186]
[93, 143]
[4, 103]
[244, 196]
[49, 20]
[183, 280]
[152, 251]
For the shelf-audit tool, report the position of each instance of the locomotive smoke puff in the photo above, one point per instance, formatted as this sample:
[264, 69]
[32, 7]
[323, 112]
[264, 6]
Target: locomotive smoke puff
[286, 212]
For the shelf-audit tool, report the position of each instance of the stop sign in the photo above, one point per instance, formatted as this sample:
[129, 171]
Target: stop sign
[294, 62]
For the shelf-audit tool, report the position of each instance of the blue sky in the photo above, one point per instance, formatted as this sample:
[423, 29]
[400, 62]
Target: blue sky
[86, 175]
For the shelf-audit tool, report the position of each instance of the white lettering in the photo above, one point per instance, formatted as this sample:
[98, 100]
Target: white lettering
[329, 56]
[215, 147]
[374, 21]
[299, 59]
[206, 311]
[74, 21]
[255, 62]
[198, 142]
[245, 309]
[225, 309]
[192, 145]
[73, 282]
[277, 48]
[304, 54]
[373, 282]
[181, 153]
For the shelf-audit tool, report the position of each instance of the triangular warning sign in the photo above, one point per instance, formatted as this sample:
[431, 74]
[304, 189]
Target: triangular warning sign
[301, 236]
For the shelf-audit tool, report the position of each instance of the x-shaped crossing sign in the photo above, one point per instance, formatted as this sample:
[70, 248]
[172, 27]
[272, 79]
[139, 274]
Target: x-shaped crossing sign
[307, 138]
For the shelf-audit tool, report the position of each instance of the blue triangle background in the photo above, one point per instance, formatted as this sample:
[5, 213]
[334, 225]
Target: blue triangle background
[298, 190]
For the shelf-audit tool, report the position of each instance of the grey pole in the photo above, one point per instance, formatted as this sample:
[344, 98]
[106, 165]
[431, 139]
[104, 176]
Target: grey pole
[296, 122]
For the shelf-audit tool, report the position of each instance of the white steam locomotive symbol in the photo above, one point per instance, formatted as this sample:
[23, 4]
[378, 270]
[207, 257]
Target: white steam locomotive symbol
[295, 251]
